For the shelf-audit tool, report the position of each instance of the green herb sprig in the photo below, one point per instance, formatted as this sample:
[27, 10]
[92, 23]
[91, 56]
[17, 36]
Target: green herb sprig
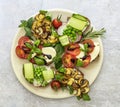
[94, 34]
[27, 25]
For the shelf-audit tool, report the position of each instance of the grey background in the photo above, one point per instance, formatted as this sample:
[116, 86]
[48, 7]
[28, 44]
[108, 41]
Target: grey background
[105, 92]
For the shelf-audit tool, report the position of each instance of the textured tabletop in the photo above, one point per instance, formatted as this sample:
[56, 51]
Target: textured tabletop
[105, 92]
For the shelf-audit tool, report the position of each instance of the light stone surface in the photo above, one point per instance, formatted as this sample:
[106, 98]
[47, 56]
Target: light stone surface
[105, 92]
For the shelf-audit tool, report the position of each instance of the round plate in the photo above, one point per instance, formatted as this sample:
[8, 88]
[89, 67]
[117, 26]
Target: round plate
[90, 72]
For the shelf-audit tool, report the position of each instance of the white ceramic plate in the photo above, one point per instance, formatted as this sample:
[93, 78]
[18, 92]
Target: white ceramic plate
[90, 72]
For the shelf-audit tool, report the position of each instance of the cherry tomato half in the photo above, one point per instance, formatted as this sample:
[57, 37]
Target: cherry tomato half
[55, 85]
[73, 49]
[56, 23]
[19, 52]
[86, 60]
[22, 40]
[69, 60]
[90, 45]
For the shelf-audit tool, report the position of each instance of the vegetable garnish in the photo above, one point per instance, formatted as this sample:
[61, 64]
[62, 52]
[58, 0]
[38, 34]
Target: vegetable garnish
[94, 34]
[54, 58]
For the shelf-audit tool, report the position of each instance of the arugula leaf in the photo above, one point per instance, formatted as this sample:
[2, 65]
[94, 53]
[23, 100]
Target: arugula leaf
[86, 97]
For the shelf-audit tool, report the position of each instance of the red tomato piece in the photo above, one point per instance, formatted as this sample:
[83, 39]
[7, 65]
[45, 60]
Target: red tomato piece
[56, 23]
[40, 46]
[22, 40]
[69, 60]
[32, 60]
[86, 61]
[20, 53]
[73, 49]
[55, 85]
[90, 44]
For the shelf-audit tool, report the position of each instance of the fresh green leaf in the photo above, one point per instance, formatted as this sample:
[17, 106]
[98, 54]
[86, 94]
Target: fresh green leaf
[78, 97]
[59, 76]
[70, 88]
[86, 48]
[54, 33]
[29, 56]
[86, 97]
[23, 23]
[47, 44]
[43, 12]
[37, 42]
[62, 70]
[27, 23]
[38, 51]
[30, 22]
[48, 18]
[79, 63]
[28, 31]
[39, 61]
[28, 45]
[59, 49]
[57, 61]
[41, 57]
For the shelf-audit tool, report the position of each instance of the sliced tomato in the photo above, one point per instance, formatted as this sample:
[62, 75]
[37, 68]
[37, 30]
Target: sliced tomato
[90, 44]
[22, 40]
[73, 49]
[69, 60]
[20, 53]
[86, 60]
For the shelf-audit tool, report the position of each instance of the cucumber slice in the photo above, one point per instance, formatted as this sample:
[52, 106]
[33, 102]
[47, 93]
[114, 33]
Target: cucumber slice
[48, 75]
[80, 17]
[28, 70]
[64, 40]
[77, 24]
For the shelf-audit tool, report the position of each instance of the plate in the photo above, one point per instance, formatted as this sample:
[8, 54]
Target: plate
[90, 72]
